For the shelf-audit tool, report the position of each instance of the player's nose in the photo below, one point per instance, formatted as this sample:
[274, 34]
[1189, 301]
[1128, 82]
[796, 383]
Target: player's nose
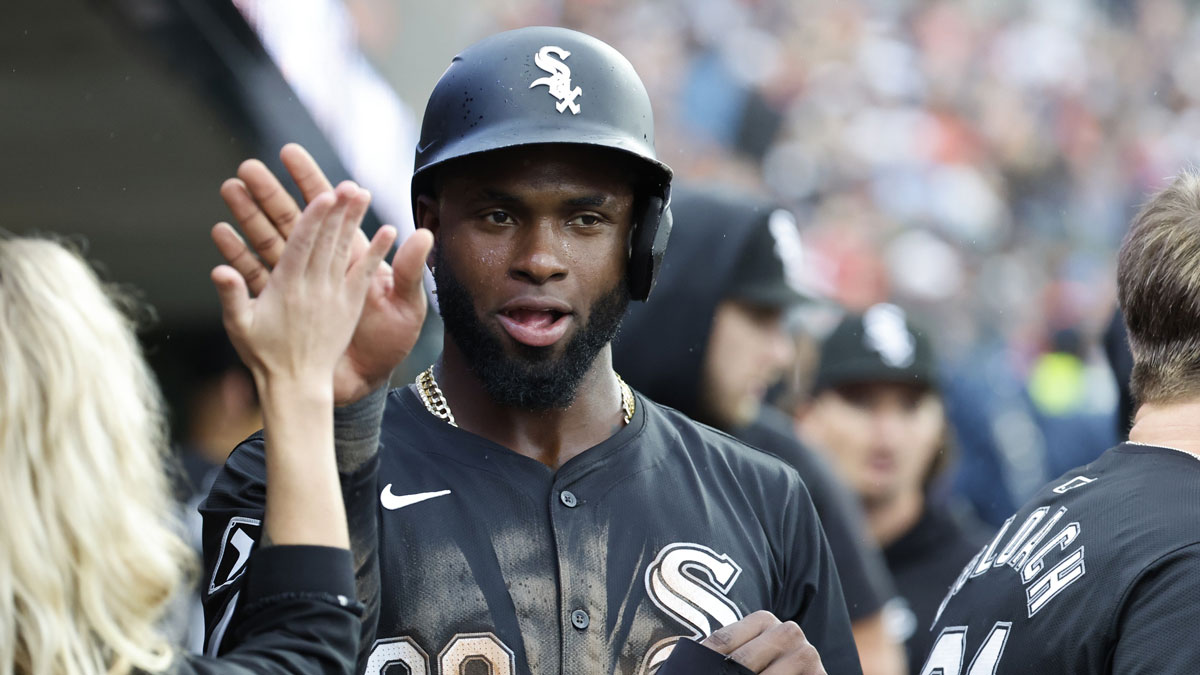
[540, 255]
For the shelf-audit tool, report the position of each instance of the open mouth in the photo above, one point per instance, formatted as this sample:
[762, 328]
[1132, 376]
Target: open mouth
[536, 327]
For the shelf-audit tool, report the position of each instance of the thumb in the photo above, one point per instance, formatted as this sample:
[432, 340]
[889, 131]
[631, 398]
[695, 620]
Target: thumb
[232, 292]
[408, 265]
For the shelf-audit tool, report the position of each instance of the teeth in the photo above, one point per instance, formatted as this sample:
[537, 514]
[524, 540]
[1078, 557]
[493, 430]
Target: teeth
[534, 316]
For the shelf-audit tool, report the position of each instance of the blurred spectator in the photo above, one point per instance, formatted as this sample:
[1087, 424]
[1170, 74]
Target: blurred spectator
[214, 406]
[876, 414]
[710, 341]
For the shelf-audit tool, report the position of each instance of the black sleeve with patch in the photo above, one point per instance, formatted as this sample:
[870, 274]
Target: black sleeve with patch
[298, 616]
[1098, 573]
[232, 528]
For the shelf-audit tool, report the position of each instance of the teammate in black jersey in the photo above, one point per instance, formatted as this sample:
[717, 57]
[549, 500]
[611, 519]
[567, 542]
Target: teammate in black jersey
[1100, 571]
[709, 345]
[527, 512]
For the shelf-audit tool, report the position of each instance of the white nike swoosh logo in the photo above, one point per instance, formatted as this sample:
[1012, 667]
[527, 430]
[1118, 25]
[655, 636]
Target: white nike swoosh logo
[392, 502]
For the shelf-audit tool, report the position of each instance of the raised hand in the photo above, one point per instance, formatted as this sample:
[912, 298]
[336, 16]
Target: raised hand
[395, 304]
[303, 316]
[292, 336]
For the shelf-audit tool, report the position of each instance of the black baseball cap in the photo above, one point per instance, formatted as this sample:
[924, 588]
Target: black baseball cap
[760, 276]
[879, 345]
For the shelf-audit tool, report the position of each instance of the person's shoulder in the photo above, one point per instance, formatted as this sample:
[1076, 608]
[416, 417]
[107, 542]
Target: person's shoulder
[773, 433]
[1158, 485]
[700, 441]
[242, 480]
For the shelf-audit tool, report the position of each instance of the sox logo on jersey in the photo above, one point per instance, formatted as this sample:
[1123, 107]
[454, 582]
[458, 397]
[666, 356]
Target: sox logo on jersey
[691, 583]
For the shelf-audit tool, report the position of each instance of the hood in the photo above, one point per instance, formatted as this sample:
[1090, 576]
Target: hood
[662, 343]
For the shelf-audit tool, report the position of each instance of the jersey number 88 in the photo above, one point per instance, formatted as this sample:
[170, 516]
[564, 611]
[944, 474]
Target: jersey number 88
[462, 649]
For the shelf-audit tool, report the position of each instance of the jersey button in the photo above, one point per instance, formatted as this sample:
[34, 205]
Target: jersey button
[579, 619]
[570, 501]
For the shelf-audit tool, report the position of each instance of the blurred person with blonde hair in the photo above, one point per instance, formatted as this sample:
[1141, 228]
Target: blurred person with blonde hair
[89, 558]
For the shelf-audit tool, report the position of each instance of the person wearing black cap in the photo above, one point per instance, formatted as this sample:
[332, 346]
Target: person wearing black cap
[519, 508]
[877, 414]
[710, 342]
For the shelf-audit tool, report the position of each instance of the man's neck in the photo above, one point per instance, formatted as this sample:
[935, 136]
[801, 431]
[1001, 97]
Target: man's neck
[552, 437]
[891, 519]
[1172, 425]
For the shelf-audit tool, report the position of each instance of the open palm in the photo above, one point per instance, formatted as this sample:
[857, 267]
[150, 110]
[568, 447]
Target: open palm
[395, 305]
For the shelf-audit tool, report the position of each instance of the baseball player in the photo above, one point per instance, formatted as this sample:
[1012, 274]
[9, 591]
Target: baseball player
[526, 511]
[1100, 571]
[876, 413]
[709, 345]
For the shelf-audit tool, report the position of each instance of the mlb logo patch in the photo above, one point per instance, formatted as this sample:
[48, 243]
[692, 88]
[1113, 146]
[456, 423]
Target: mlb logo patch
[240, 535]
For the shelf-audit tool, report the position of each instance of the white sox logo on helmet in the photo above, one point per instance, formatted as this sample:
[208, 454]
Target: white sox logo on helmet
[559, 82]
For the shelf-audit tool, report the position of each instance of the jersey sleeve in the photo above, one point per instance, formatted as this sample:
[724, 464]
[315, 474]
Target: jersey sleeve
[232, 531]
[298, 616]
[1155, 629]
[813, 586]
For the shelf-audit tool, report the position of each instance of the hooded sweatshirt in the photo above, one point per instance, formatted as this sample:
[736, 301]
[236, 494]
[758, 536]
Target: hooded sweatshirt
[661, 350]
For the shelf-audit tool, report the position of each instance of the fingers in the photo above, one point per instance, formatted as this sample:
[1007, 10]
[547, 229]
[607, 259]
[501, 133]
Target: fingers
[408, 266]
[360, 273]
[263, 209]
[305, 235]
[350, 231]
[235, 251]
[766, 645]
[789, 653]
[731, 637]
[304, 171]
[328, 232]
[231, 290]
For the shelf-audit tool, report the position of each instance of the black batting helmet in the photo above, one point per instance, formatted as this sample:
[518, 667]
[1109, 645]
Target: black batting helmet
[544, 85]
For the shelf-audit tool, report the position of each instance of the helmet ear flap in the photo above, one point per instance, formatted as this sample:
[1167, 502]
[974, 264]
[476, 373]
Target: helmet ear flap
[650, 235]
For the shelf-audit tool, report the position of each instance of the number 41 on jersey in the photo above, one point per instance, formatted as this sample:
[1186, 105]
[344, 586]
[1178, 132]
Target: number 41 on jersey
[948, 652]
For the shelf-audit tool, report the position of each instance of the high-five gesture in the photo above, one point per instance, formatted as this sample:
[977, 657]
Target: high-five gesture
[292, 336]
[303, 316]
[395, 302]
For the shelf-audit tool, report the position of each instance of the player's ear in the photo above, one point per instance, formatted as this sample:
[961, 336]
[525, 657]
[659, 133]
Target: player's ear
[427, 213]
[427, 217]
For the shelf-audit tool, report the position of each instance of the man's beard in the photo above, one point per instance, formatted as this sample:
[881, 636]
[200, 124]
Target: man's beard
[532, 379]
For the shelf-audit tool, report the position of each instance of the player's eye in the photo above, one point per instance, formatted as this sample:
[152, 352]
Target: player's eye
[499, 218]
[586, 220]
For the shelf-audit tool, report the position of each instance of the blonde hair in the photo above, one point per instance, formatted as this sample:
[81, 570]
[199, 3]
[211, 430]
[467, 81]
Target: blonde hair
[1158, 284]
[88, 556]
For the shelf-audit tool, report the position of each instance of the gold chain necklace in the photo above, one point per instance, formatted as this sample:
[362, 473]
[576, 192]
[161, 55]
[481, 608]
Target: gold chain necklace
[435, 402]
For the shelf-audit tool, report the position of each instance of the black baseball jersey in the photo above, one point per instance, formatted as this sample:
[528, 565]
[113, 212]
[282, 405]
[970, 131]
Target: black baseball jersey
[1098, 573]
[486, 557]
